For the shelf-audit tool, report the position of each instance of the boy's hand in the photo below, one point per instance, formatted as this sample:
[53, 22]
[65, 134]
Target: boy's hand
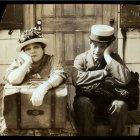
[108, 50]
[107, 55]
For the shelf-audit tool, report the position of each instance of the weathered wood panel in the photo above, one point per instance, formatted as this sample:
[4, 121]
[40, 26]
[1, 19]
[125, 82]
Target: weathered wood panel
[48, 10]
[29, 16]
[58, 9]
[69, 43]
[4, 34]
[59, 45]
[8, 44]
[79, 10]
[132, 60]
[110, 18]
[79, 45]
[67, 24]
[8, 51]
[51, 47]
[86, 41]
[95, 11]
[132, 50]
[38, 12]
[69, 10]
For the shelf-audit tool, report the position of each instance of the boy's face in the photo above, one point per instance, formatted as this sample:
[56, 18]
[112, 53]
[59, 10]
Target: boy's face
[34, 50]
[97, 49]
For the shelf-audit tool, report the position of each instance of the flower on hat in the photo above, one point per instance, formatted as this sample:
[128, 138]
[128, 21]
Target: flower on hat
[30, 34]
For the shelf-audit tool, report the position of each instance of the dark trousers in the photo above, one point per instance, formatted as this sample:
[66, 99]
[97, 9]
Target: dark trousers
[86, 109]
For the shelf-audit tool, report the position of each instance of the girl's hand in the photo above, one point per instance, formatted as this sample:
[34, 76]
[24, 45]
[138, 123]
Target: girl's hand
[25, 57]
[38, 95]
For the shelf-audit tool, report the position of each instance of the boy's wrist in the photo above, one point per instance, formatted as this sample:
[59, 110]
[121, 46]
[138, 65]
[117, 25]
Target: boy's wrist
[105, 72]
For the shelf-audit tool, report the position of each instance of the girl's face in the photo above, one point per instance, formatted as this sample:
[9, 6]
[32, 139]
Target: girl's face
[97, 49]
[34, 50]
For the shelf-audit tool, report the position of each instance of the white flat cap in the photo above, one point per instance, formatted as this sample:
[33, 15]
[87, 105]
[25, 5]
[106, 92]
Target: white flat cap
[102, 33]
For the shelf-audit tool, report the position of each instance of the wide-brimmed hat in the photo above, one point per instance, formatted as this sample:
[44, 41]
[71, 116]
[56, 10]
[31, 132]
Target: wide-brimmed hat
[31, 36]
[102, 33]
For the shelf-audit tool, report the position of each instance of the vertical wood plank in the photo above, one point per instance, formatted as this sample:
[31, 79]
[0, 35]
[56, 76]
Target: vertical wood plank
[48, 10]
[60, 46]
[86, 41]
[38, 12]
[29, 16]
[99, 13]
[69, 10]
[116, 27]
[79, 10]
[8, 51]
[79, 43]
[58, 10]
[69, 43]
[132, 49]
[88, 10]
[50, 49]
[95, 11]
[26, 10]
[109, 14]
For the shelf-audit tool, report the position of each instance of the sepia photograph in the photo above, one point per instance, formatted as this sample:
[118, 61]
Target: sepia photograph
[69, 69]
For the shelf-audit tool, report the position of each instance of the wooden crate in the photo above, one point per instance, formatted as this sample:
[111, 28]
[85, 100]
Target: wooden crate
[20, 113]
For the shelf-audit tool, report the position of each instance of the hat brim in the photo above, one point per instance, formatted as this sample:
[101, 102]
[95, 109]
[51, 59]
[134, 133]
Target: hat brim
[35, 40]
[103, 39]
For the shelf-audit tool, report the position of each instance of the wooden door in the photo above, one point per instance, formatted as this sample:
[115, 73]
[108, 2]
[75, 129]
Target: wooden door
[67, 27]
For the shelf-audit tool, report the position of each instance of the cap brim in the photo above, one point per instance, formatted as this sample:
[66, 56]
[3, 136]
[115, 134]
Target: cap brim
[102, 39]
[35, 40]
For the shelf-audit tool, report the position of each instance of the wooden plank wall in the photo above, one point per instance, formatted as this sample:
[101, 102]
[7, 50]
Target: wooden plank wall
[132, 49]
[8, 45]
[8, 42]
